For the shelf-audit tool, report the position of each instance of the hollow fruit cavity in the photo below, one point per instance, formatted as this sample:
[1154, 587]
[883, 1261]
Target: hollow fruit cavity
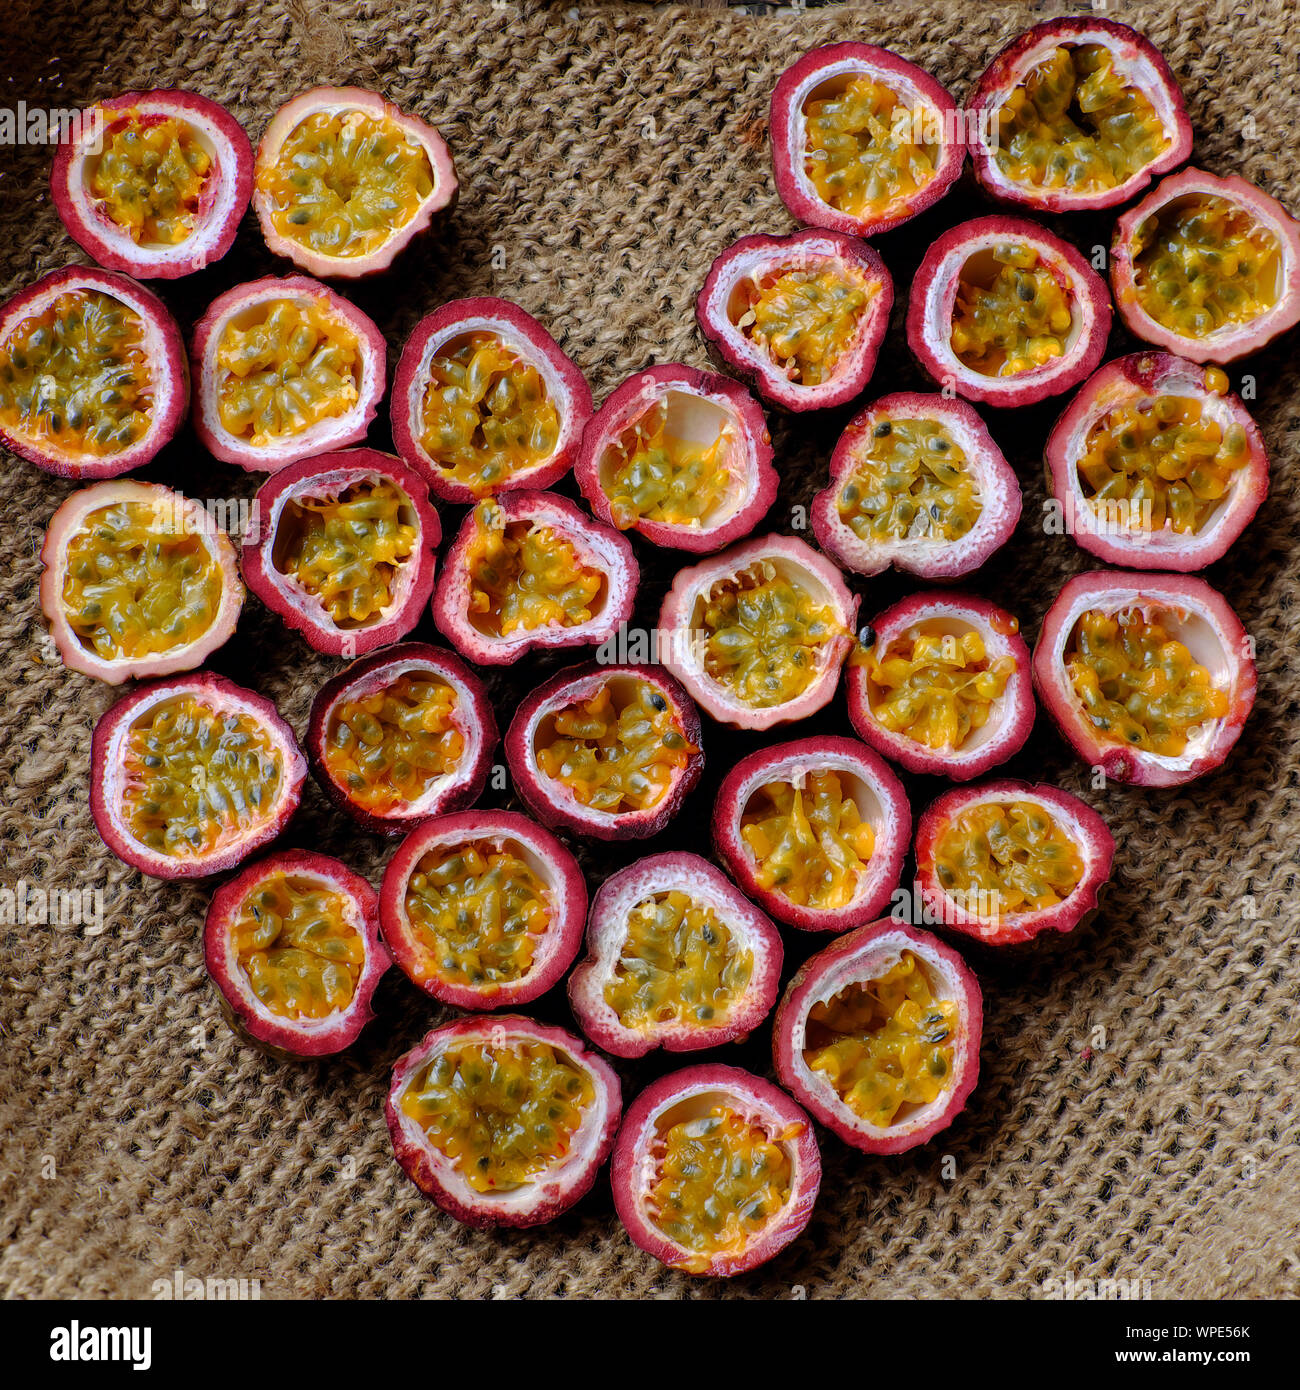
[136, 584]
[1074, 123]
[809, 842]
[1202, 263]
[197, 777]
[297, 948]
[618, 750]
[804, 319]
[1011, 313]
[149, 177]
[910, 480]
[1137, 683]
[1006, 857]
[477, 908]
[502, 1113]
[76, 375]
[885, 1045]
[347, 549]
[390, 746]
[344, 182]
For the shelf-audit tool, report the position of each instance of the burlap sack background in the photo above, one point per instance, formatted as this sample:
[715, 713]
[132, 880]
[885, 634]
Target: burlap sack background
[607, 154]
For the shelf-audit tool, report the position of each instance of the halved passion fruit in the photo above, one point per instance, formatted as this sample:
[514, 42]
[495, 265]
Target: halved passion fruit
[681, 456]
[862, 140]
[528, 569]
[677, 957]
[485, 400]
[190, 775]
[1208, 268]
[93, 376]
[758, 634]
[483, 909]
[502, 1121]
[1156, 465]
[1148, 676]
[284, 369]
[606, 751]
[815, 831]
[800, 317]
[916, 482]
[878, 1036]
[1077, 113]
[1005, 862]
[1002, 311]
[153, 184]
[715, 1170]
[344, 549]
[137, 581]
[943, 686]
[401, 735]
[292, 942]
[344, 180]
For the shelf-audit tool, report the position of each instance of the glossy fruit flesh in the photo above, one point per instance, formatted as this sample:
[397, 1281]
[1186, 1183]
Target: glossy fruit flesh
[679, 964]
[282, 366]
[486, 413]
[135, 586]
[503, 1113]
[1138, 685]
[809, 843]
[886, 1044]
[912, 481]
[620, 750]
[389, 746]
[343, 182]
[860, 153]
[803, 319]
[718, 1180]
[197, 778]
[1007, 857]
[1011, 313]
[295, 943]
[76, 375]
[1202, 262]
[149, 179]
[1074, 123]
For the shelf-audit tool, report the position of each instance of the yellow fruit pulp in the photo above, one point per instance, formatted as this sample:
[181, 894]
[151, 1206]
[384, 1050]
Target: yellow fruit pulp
[149, 177]
[1011, 313]
[805, 319]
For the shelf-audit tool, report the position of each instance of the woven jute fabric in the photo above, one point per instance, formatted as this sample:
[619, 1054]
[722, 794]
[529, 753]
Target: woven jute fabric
[1134, 1116]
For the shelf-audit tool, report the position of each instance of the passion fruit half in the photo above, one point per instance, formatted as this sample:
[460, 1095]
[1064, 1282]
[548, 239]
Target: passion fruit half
[528, 569]
[944, 685]
[800, 318]
[757, 634]
[153, 184]
[862, 140]
[502, 1121]
[1205, 267]
[292, 942]
[715, 1171]
[190, 775]
[93, 376]
[815, 831]
[1005, 862]
[344, 549]
[344, 180]
[1148, 676]
[677, 957]
[1076, 114]
[485, 400]
[1003, 312]
[683, 457]
[137, 581]
[610, 752]
[401, 735]
[284, 368]
[1156, 465]
[878, 1037]
[916, 482]
[483, 909]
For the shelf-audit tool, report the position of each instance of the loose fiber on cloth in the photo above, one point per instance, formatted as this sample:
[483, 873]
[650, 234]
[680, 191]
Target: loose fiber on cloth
[1134, 1117]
